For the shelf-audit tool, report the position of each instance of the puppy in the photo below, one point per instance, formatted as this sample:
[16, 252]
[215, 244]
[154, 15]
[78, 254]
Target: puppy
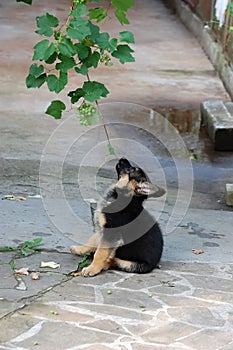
[128, 238]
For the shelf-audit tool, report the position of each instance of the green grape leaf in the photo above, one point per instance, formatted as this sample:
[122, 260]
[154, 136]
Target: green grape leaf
[102, 40]
[55, 109]
[82, 70]
[80, 10]
[36, 70]
[79, 28]
[45, 23]
[112, 44]
[66, 47]
[76, 95]
[122, 5]
[35, 78]
[94, 31]
[65, 64]
[29, 2]
[127, 37]
[82, 50]
[121, 16]
[43, 50]
[35, 82]
[97, 14]
[52, 58]
[57, 84]
[123, 53]
[92, 60]
[94, 90]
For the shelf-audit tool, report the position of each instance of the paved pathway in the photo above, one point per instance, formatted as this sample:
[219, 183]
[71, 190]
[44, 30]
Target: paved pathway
[180, 306]
[185, 305]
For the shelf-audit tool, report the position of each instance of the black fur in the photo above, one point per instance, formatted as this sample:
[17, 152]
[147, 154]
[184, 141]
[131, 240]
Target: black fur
[129, 238]
[129, 227]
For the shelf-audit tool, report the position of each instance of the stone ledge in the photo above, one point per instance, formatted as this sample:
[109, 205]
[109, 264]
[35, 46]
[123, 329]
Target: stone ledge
[229, 194]
[217, 117]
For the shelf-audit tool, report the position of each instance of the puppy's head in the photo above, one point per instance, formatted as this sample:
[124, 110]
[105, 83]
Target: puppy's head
[133, 181]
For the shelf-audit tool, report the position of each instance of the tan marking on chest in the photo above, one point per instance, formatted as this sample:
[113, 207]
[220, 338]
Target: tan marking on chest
[123, 181]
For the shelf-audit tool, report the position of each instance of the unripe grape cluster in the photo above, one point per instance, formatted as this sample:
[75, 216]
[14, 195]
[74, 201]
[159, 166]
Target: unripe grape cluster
[76, 2]
[85, 111]
[106, 59]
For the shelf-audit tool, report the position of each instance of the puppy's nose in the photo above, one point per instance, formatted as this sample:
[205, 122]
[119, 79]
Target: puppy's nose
[124, 162]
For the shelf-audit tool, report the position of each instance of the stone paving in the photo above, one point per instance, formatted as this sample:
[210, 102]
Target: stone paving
[184, 305]
[187, 303]
[180, 306]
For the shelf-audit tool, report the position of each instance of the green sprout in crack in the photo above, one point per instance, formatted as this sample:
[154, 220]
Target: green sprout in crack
[25, 249]
[84, 262]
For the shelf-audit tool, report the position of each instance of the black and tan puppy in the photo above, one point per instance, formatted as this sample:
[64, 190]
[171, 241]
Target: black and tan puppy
[129, 238]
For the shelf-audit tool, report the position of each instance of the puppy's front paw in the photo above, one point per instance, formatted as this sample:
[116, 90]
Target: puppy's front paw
[78, 250]
[90, 271]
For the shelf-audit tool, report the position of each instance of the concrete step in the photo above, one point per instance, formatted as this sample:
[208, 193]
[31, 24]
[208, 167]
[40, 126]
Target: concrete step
[217, 116]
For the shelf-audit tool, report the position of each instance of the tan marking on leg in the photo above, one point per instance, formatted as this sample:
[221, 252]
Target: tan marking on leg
[101, 261]
[88, 247]
[123, 264]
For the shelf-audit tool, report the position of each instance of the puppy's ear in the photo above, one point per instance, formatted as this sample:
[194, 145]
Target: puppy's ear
[148, 189]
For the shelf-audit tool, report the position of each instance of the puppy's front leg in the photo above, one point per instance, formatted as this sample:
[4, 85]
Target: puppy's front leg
[102, 261]
[89, 247]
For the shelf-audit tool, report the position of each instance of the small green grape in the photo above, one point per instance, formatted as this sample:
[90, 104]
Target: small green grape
[77, 2]
[85, 112]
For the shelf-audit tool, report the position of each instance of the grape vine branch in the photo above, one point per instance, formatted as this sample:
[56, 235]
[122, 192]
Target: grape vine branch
[78, 46]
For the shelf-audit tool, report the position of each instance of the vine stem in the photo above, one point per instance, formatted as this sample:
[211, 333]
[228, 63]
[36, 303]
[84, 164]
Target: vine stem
[103, 122]
[102, 118]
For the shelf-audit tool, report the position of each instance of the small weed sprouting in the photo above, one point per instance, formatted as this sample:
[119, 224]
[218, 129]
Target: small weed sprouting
[22, 250]
[25, 249]
[82, 263]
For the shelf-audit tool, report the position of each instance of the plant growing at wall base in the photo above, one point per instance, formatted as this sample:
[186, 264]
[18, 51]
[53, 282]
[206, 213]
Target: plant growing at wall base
[78, 46]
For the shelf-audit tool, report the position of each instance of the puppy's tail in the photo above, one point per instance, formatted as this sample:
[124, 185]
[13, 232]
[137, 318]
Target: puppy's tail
[132, 266]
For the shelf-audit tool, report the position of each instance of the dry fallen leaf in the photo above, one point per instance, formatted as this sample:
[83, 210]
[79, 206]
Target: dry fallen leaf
[51, 264]
[20, 198]
[197, 251]
[22, 271]
[10, 197]
[35, 275]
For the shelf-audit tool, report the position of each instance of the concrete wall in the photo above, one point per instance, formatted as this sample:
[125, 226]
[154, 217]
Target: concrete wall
[201, 7]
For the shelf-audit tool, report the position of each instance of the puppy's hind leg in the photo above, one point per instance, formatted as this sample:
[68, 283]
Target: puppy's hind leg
[131, 266]
[89, 247]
